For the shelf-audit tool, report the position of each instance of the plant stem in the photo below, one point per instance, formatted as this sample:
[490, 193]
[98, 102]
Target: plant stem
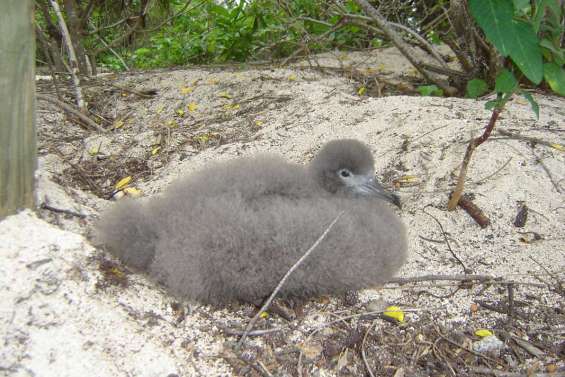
[473, 144]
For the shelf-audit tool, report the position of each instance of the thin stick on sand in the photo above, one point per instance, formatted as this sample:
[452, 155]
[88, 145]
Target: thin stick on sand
[284, 279]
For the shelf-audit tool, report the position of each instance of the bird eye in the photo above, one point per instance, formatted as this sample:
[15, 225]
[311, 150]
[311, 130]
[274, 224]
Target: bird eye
[344, 173]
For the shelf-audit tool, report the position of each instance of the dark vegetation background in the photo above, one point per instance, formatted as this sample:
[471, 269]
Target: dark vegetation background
[142, 34]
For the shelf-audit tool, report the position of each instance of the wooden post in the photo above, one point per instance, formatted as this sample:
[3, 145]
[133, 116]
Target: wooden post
[17, 106]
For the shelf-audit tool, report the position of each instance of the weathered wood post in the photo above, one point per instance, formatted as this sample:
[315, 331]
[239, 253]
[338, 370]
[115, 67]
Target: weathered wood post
[17, 106]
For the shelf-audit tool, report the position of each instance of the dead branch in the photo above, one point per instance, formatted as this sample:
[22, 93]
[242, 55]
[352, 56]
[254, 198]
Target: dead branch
[478, 354]
[285, 278]
[548, 172]
[461, 278]
[69, 109]
[500, 373]
[384, 25]
[48, 207]
[143, 94]
[72, 56]
[495, 172]
[533, 140]
[465, 269]
[114, 52]
[184, 9]
[337, 26]
[363, 353]
[467, 159]
[48, 55]
[474, 211]
[234, 332]
[129, 32]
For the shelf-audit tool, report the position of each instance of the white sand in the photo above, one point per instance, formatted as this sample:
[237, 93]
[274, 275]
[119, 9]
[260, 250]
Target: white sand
[55, 322]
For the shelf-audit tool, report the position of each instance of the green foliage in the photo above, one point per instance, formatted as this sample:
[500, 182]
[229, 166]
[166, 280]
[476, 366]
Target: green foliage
[506, 83]
[528, 34]
[495, 19]
[433, 37]
[555, 77]
[241, 30]
[476, 88]
[430, 90]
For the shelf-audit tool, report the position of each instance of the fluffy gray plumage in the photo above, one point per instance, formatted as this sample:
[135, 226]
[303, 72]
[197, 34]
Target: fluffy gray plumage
[231, 231]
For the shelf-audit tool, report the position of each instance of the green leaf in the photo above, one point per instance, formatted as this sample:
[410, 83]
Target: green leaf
[546, 43]
[495, 19]
[522, 6]
[476, 88]
[540, 12]
[505, 82]
[489, 105]
[555, 77]
[433, 37]
[430, 90]
[534, 105]
[525, 51]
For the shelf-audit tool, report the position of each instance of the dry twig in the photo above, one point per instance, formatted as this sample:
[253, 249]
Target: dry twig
[474, 211]
[467, 159]
[385, 26]
[465, 269]
[72, 56]
[363, 354]
[69, 109]
[285, 278]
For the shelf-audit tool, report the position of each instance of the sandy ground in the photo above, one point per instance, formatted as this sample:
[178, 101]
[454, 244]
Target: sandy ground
[67, 310]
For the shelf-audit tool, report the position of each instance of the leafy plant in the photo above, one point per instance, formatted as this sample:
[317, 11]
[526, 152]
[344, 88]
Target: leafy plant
[532, 42]
[529, 36]
[430, 90]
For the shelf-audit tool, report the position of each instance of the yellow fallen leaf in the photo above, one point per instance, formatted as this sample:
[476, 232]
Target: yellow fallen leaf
[117, 272]
[132, 191]
[180, 112]
[258, 123]
[559, 147]
[118, 124]
[234, 106]
[172, 123]
[225, 95]
[406, 181]
[155, 150]
[93, 151]
[204, 138]
[394, 312]
[381, 67]
[483, 333]
[362, 90]
[264, 315]
[192, 107]
[123, 182]
[292, 77]
[186, 90]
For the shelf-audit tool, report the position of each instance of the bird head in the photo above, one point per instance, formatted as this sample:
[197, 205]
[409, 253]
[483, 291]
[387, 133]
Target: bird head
[347, 167]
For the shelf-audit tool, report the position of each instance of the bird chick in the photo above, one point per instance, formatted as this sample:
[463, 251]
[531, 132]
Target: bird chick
[232, 230]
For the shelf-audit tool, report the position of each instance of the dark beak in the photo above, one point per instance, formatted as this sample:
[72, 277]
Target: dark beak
[372, 187]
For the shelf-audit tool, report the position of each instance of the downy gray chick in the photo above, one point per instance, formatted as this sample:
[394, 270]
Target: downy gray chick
[232, 230]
